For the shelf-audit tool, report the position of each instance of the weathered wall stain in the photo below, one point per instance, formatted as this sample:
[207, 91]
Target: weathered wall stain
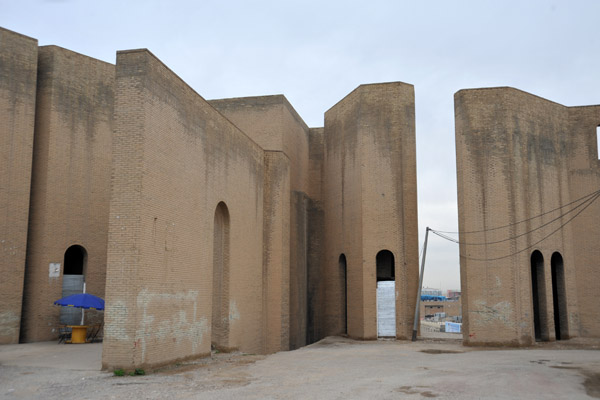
[501, 311]
[186, 327]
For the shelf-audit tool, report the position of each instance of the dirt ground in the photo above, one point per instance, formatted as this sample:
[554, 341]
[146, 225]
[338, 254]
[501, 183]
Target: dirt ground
[334, 368]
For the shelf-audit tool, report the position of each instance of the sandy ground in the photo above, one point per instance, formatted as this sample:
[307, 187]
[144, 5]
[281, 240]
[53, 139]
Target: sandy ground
[334, 368]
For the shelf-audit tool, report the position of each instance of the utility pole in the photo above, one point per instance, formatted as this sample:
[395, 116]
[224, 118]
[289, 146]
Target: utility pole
[417, 307]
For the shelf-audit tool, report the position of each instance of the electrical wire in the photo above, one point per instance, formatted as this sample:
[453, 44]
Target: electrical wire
[534, 244]
[586, 197]
[458, 241]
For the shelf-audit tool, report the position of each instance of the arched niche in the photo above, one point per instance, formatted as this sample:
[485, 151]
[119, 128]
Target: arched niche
[220, 297]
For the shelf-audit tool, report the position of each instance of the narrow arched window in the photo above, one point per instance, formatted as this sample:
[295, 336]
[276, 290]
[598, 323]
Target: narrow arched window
[538, 296]
[220, 297]
[343, 271]
[559, 297]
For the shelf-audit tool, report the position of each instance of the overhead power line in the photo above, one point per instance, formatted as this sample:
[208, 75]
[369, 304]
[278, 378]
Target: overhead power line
[466, 243]
[590, 199]
[581, 199]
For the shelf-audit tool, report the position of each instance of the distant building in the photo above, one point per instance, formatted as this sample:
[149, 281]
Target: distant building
[451, 309]
[431, 292]
[453, 294]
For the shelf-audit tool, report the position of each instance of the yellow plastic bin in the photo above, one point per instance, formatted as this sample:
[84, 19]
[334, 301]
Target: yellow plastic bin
[78, 333]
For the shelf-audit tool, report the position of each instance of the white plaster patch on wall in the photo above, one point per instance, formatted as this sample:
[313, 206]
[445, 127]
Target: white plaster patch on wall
[142, 334]
[117, 310]
[9, 323]
[179, 326]
[234, 313]
[482, 314]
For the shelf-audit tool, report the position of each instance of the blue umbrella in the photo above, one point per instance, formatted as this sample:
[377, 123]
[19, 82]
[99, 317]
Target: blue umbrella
[82, 300]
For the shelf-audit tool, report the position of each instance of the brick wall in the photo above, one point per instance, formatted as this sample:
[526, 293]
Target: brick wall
[516, 158]
[18, 74]
[370, 202]
[70, 181]
[276, 253]
[175, 159]
[315, 239]
[584, 177]
[193, 218]
[274, 124]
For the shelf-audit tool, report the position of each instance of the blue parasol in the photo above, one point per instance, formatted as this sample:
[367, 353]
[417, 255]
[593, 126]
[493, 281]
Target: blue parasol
[82, 300]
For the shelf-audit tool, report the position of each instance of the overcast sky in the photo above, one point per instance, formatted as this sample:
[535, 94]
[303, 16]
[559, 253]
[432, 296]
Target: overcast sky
[316, 52]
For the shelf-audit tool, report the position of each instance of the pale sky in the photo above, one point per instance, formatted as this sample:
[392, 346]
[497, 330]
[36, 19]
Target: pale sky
[316, 52]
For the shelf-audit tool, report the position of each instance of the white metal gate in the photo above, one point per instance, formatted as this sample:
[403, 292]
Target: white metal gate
[72, 284]
[386, 309]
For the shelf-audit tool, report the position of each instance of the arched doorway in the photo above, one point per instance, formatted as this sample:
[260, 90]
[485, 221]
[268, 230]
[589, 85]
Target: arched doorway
[220, 297]
[559, 298]
[343, 293]
[538, 296]
[386, 270]
[74, 268]
[386, 294]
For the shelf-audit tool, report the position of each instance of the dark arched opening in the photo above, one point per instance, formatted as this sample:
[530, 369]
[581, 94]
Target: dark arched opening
[74, 268]
[75, 259]
[386, 294]
[220, 297]
[386, 270]
[559, 298]
[538, 295]
[343, 292]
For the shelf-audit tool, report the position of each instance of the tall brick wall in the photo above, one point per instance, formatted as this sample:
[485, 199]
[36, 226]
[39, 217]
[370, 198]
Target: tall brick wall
[18, 74]
[276, 252]
[515, 160]
[296, 144]
[70, 181]
[274, 124]
[370, 202]
[175, 159]
[298, 269]
[315, 239]
[584, 177]
[342, 180]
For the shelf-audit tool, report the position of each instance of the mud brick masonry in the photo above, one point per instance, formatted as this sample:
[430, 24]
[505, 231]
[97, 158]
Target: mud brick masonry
[526, 167]
[231, 224]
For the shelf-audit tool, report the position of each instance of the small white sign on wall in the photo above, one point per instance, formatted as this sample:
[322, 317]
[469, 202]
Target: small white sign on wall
[54, 270]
